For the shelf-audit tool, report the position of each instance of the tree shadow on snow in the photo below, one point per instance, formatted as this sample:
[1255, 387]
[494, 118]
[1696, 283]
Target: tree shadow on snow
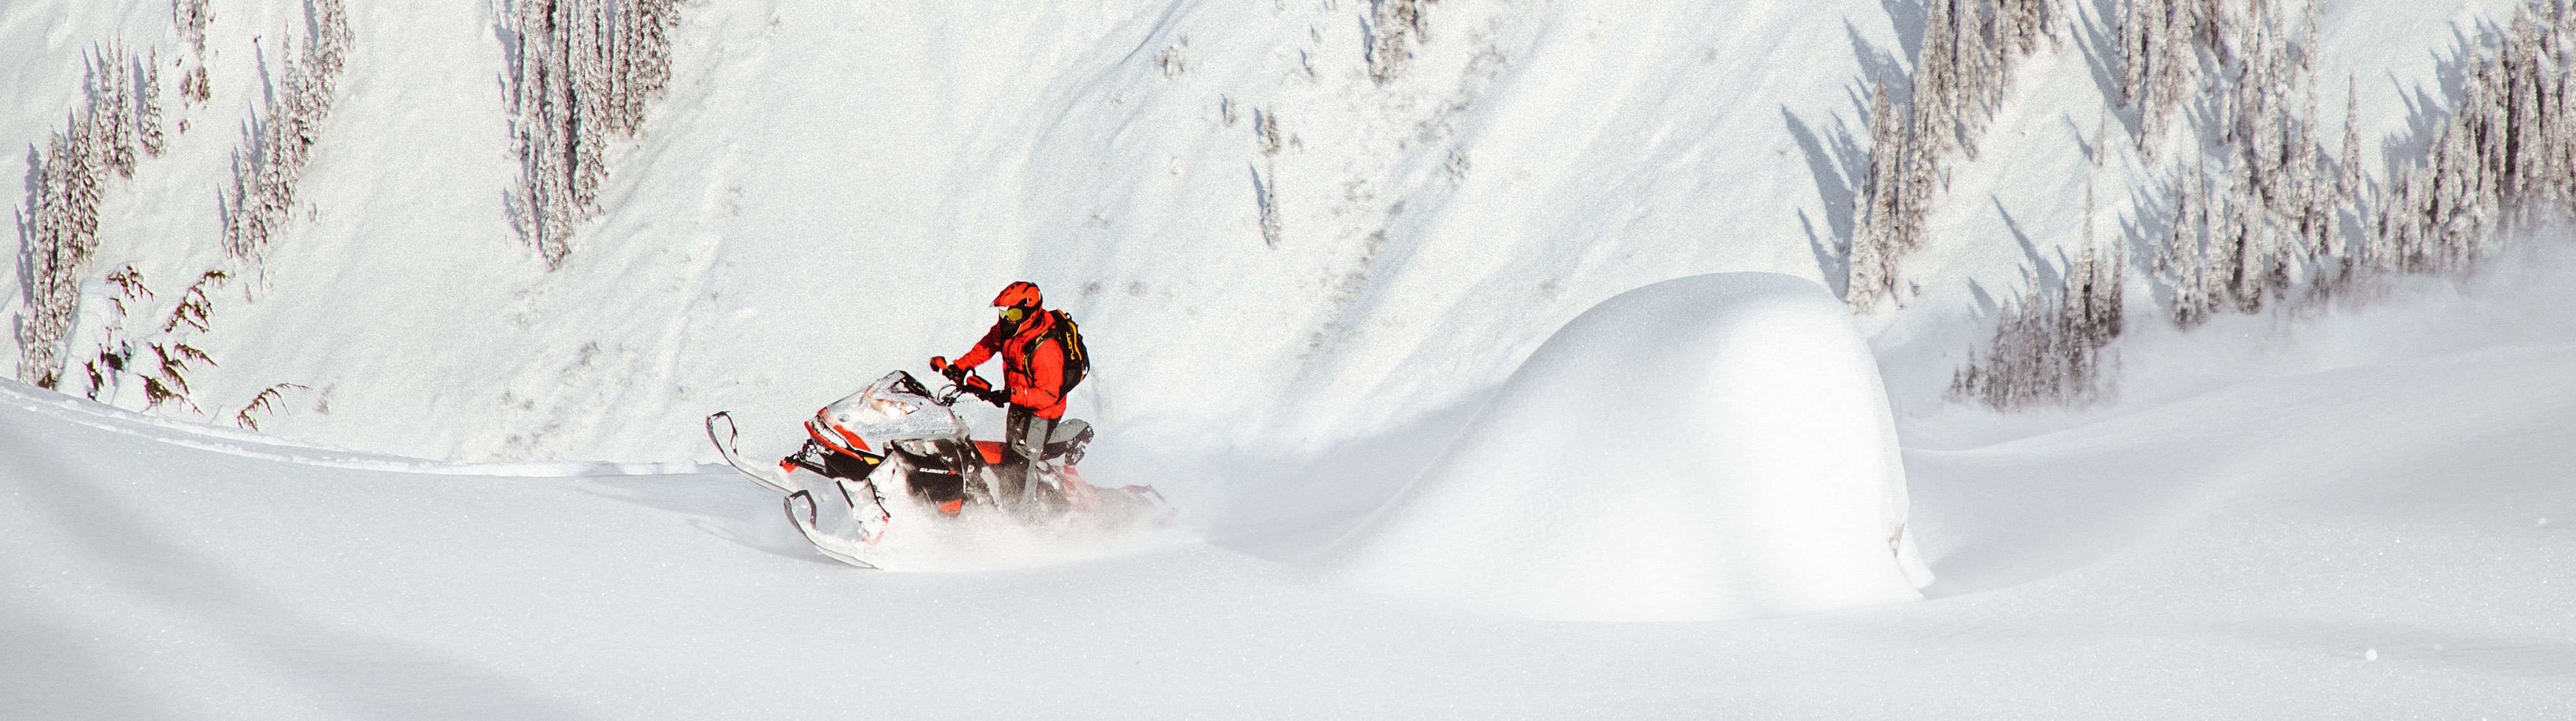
[1835, 169]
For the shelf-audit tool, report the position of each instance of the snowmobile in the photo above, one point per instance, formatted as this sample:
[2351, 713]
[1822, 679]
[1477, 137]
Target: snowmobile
[891, 466]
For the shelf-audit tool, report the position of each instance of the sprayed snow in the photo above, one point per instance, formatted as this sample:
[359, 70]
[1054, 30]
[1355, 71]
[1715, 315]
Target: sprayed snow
[1715, 446]
[922, 539]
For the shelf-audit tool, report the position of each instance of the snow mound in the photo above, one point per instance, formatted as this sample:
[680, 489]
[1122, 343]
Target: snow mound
[1710, 447]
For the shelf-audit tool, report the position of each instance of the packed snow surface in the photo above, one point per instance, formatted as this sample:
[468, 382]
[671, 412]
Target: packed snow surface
[1715, 446]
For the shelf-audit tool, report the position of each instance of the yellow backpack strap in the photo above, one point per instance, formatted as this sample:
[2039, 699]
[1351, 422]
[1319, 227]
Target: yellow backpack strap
[1072, 337]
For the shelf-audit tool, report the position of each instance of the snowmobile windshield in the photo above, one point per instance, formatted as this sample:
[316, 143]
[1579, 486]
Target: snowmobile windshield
[890, 410]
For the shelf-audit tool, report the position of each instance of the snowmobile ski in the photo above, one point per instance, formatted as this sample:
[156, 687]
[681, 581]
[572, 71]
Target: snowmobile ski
[801, 511]
[725, 447]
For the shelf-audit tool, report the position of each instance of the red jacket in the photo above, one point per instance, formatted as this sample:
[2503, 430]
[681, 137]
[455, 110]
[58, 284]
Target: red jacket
[1034, 375]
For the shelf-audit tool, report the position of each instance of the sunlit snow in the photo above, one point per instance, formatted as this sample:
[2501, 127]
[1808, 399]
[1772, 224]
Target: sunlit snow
[1715, 446]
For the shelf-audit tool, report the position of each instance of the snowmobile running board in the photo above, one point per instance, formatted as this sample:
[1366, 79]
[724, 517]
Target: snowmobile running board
[725, 447]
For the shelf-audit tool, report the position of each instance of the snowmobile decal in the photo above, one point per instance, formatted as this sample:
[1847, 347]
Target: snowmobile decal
[848, 442]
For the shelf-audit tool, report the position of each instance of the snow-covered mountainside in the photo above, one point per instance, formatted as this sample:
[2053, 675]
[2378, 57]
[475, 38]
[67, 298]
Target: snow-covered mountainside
[830, 190]
[1286, 225]
[360, 341]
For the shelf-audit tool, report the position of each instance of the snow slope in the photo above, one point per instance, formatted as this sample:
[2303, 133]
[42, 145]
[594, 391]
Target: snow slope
[2018, 212]
[2348, 511]
[2382, 536]
[1709, 447]
[832, 190]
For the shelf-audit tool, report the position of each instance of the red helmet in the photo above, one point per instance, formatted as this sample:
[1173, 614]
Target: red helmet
[1021, 294]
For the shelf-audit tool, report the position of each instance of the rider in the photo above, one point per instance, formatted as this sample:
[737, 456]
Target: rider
[1033, 367]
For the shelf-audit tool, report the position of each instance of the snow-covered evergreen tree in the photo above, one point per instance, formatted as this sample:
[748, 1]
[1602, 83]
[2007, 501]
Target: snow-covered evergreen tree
[61, 232]
[1392, 27]
[2050, 347]
[191, 17]
[1959, 80]
[147, 109]
[2505, 158]
[281, 140]
[583, 71]
[2263, 218]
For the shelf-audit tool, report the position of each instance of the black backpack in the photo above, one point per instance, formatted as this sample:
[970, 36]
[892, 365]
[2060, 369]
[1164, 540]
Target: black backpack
[1077, 359]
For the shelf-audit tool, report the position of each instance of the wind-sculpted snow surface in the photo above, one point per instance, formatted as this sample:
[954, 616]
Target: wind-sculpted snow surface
[1715, 446]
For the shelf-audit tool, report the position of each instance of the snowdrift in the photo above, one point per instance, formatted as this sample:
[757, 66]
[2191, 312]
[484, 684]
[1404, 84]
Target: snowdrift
[1714, 446]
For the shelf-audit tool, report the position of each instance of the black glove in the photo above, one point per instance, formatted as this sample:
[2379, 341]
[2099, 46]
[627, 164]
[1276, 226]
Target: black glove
[995, 396]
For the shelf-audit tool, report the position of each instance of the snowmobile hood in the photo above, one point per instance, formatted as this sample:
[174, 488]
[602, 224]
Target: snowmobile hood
[886, 411]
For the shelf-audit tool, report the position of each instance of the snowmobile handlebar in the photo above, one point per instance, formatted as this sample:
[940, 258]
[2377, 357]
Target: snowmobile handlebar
[965, 382]
[949, 394]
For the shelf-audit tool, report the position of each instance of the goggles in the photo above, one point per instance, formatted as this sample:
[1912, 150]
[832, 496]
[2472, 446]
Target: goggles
[1014, 313]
